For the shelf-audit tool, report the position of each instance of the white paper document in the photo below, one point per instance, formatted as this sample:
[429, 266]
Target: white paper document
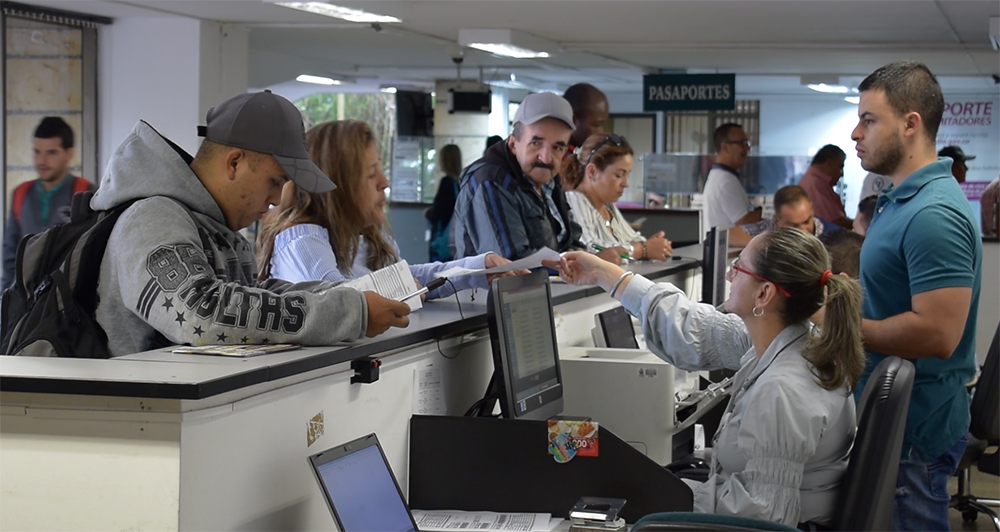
[531, 261]
[392, 282]
[428, 391]
[448, 520]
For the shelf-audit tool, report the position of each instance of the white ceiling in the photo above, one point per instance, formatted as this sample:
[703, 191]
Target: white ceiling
[610, 43]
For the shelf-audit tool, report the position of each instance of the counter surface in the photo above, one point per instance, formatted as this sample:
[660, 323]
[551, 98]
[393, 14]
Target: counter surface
[165, 375]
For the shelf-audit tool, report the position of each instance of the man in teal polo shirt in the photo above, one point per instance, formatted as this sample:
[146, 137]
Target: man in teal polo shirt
[920, 270]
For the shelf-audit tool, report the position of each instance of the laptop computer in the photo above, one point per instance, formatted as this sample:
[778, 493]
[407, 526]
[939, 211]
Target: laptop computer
[360, 489]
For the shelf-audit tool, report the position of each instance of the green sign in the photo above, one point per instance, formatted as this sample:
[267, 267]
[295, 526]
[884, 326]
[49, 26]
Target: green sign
[689, 92]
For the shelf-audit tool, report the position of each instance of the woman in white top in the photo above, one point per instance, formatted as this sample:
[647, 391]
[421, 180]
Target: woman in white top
[338, 235]
[598, 177]
[783, 443]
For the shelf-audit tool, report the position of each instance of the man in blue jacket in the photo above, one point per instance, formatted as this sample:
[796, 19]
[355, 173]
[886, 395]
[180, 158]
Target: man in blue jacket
[511, 201]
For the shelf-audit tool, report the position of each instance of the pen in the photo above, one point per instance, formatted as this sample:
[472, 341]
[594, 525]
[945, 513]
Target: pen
[433, 285]
[602, 248]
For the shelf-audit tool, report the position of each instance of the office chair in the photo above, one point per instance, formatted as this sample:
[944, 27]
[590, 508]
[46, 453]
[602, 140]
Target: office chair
[664, 521]
[984, 431]
[864, 501]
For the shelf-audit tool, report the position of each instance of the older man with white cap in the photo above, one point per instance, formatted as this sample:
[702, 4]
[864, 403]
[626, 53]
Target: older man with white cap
[176, 269]
[511, 201]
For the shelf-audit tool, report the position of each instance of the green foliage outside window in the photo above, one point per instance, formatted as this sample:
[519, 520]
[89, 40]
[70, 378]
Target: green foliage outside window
[378, 110]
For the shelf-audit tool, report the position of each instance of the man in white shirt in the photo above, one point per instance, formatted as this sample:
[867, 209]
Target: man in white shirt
[726, 204]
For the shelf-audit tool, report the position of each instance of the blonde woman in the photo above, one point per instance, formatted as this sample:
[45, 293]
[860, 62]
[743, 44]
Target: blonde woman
[338, 235]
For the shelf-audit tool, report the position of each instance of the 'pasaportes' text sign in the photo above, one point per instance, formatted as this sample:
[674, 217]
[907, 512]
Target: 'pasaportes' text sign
[689, 92]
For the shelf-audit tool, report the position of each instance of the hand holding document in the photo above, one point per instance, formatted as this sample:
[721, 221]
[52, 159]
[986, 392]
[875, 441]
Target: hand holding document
[532, 261]
[392, 282]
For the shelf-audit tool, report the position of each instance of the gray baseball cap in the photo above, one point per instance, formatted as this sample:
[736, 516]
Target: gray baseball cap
[544, 105]
[267, 123]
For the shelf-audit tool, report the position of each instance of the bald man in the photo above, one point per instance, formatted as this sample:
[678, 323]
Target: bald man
[590, 112]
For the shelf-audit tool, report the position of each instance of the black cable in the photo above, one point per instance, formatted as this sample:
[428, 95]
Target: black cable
[460, 313]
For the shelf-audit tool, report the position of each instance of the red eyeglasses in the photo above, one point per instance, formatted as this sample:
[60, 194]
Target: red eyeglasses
[738, 268]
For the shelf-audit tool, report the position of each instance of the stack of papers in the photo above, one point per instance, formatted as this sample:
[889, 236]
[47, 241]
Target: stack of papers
[448, 520]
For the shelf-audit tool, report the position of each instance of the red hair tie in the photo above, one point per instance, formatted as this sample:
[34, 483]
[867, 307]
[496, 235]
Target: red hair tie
[823, 278]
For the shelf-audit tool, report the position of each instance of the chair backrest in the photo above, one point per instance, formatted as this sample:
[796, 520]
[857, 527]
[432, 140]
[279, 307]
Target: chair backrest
[985, 407]
[869, 486]
[697, 521]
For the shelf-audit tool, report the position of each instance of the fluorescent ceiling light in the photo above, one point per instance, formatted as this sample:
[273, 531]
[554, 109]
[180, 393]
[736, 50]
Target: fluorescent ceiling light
[319, 80]
[507, 43]
[830, 89]
[853, 99]
[508, 50]
[344, 13]
[389, 90]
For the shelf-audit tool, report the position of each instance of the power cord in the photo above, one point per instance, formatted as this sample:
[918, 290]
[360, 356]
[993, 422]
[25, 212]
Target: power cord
[460, 313]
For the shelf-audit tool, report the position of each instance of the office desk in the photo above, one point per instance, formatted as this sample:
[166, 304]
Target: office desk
[164, 441]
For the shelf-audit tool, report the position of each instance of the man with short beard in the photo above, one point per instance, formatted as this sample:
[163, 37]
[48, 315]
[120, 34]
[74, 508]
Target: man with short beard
[511, 200]
[920, 270]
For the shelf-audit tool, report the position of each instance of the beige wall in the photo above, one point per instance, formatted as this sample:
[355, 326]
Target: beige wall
[44, 78]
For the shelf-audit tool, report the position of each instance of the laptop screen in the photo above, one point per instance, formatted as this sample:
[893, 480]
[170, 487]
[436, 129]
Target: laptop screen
[362, 493]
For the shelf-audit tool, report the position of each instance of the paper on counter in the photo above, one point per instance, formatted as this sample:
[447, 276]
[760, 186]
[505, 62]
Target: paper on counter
[531, 261]
[448, 520]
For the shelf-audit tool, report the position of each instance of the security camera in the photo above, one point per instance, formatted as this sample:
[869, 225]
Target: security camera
[376, 26]
[457, 59]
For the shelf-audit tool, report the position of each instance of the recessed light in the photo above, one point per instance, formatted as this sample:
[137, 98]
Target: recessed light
[319, 80]
[335, 11]
[829, 89]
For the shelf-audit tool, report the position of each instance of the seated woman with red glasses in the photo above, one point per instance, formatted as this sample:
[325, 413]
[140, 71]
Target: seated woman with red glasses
[783, 443]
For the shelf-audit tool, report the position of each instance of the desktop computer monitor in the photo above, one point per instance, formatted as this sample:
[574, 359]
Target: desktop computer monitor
[526, 377]
[714, 263]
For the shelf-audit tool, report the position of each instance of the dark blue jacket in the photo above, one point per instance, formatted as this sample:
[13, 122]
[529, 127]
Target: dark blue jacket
[499, 210]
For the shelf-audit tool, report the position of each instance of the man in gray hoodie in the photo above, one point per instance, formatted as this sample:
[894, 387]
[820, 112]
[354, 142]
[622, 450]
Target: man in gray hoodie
[176, 271]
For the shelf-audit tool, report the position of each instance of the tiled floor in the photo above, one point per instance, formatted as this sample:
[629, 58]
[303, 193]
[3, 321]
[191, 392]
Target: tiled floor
[983, 485]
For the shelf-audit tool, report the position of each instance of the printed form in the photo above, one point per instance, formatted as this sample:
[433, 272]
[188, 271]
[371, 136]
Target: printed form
[391, 282]
[448, 520]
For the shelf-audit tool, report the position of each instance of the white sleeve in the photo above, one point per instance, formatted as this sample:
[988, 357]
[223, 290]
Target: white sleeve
[733, 200]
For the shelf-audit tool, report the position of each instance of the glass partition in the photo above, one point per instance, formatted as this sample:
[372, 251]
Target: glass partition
[673, 180]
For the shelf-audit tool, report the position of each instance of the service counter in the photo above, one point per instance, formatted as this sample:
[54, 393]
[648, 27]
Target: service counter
[164, 441]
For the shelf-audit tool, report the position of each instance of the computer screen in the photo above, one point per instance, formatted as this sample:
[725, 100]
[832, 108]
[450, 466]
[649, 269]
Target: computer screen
[526, 378]
[360, 489]
[615, 328]
[714, 263]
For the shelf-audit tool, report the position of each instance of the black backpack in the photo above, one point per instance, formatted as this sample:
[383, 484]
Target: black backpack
[50, 309]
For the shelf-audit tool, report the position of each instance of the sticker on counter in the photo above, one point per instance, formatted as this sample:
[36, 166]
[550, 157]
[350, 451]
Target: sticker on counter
[570, 438]
[314, 429]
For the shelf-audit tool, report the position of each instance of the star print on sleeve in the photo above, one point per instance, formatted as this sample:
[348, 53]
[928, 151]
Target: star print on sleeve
[264, 341]
[168, 303]
[180, 318]
[198, 330]
[244, 340]
[221, 337]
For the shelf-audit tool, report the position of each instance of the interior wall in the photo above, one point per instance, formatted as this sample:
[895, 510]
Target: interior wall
[168, 72]
[148, 69]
